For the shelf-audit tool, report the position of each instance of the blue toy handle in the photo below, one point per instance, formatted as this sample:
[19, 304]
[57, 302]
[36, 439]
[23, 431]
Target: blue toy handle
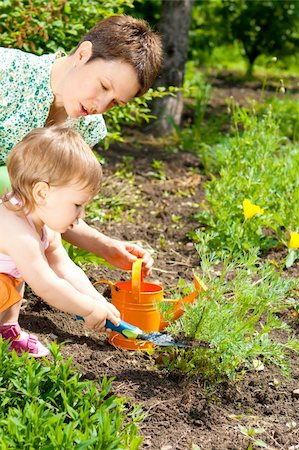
[126, 329]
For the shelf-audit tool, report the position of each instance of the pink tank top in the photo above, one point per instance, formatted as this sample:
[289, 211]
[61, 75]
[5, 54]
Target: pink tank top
[7, 265]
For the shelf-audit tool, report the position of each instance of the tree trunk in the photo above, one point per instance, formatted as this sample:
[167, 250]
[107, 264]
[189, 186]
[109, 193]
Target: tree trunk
[173, 27]
[251, 53]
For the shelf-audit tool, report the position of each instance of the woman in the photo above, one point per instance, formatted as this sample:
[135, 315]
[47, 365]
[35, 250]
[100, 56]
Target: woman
[114, 62]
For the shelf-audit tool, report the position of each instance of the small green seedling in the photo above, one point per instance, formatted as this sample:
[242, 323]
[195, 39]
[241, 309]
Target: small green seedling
[251, 433]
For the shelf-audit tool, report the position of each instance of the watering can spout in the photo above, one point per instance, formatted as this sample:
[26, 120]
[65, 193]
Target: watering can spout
[178, 309]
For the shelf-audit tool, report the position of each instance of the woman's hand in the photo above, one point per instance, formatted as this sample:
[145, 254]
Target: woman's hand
[120, 254]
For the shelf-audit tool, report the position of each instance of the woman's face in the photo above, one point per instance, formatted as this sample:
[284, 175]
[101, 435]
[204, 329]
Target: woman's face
[95, 87]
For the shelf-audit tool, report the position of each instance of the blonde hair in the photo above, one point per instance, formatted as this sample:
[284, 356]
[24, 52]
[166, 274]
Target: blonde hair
[57, 155]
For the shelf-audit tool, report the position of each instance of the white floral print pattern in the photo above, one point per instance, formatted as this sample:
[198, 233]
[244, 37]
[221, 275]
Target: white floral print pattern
[26, 98]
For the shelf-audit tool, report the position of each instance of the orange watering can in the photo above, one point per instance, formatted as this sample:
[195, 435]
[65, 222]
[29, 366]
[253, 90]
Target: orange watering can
[137, 302]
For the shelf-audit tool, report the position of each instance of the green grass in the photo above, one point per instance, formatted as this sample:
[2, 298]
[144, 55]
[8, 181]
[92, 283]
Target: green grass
[231, 58]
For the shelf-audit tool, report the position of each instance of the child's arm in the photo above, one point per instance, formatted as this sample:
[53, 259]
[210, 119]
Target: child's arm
[24, 247]
[65, 268]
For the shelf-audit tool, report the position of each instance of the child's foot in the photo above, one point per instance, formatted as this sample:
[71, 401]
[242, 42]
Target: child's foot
[20, 341]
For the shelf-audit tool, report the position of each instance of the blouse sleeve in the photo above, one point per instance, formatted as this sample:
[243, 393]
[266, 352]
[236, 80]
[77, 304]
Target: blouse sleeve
[9, 98]
[10, 85]
[92, 128]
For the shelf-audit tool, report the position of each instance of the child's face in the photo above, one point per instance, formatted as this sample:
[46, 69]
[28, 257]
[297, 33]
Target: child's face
[63, 206]
[97, 86]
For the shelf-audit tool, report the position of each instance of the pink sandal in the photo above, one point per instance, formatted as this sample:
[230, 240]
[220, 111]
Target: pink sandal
[22, 341]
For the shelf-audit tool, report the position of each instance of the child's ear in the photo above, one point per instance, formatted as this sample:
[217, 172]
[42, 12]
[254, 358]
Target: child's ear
[40, 192]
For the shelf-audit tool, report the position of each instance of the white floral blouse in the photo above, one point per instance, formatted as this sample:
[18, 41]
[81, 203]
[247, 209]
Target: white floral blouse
[26, 98]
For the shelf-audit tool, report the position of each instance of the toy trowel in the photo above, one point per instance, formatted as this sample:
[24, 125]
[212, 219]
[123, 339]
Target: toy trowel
[160, 339]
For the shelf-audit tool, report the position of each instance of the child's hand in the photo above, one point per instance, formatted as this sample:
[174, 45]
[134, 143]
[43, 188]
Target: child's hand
[96, 320]
[114, 311]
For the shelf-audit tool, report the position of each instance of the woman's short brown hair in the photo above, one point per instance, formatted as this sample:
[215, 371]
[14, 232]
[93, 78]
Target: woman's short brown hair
[130, 40]
[57, 155]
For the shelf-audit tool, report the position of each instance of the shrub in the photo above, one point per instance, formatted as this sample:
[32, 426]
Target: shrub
[41, 26]
[260, 164]
[44, 26]
[47, 405]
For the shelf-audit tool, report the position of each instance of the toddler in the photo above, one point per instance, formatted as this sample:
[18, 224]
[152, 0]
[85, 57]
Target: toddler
[53, 175]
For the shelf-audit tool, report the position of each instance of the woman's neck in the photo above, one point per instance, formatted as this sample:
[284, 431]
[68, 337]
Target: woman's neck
[61, 67]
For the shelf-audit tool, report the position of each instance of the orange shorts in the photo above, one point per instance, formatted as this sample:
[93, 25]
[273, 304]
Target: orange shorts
[9, 295]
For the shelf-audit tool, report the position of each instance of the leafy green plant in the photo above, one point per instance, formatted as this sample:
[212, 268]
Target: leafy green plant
[158, 170]
[175, 218]
[135, 113]
[284, 109]
[125, 168]
[233, 319]
[118, 196]
[292, 256]
[41, 26]
[82, 257]
[259, 164]
[251, 433]
[194, 137]
[48, 405]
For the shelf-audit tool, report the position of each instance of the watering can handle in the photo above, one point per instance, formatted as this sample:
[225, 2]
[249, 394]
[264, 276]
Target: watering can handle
[137, 279]
[103, 282]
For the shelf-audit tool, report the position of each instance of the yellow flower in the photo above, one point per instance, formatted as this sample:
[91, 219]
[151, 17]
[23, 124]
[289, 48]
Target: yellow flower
[294, 240]
[250, 210]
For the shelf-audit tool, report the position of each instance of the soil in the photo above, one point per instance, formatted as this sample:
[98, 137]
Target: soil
[180, 413]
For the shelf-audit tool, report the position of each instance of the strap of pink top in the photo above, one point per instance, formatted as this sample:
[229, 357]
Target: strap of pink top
[13, 200]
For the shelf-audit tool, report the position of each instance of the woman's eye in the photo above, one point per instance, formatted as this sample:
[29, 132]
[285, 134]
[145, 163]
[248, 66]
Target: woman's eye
[104, 87]
[78, 206]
